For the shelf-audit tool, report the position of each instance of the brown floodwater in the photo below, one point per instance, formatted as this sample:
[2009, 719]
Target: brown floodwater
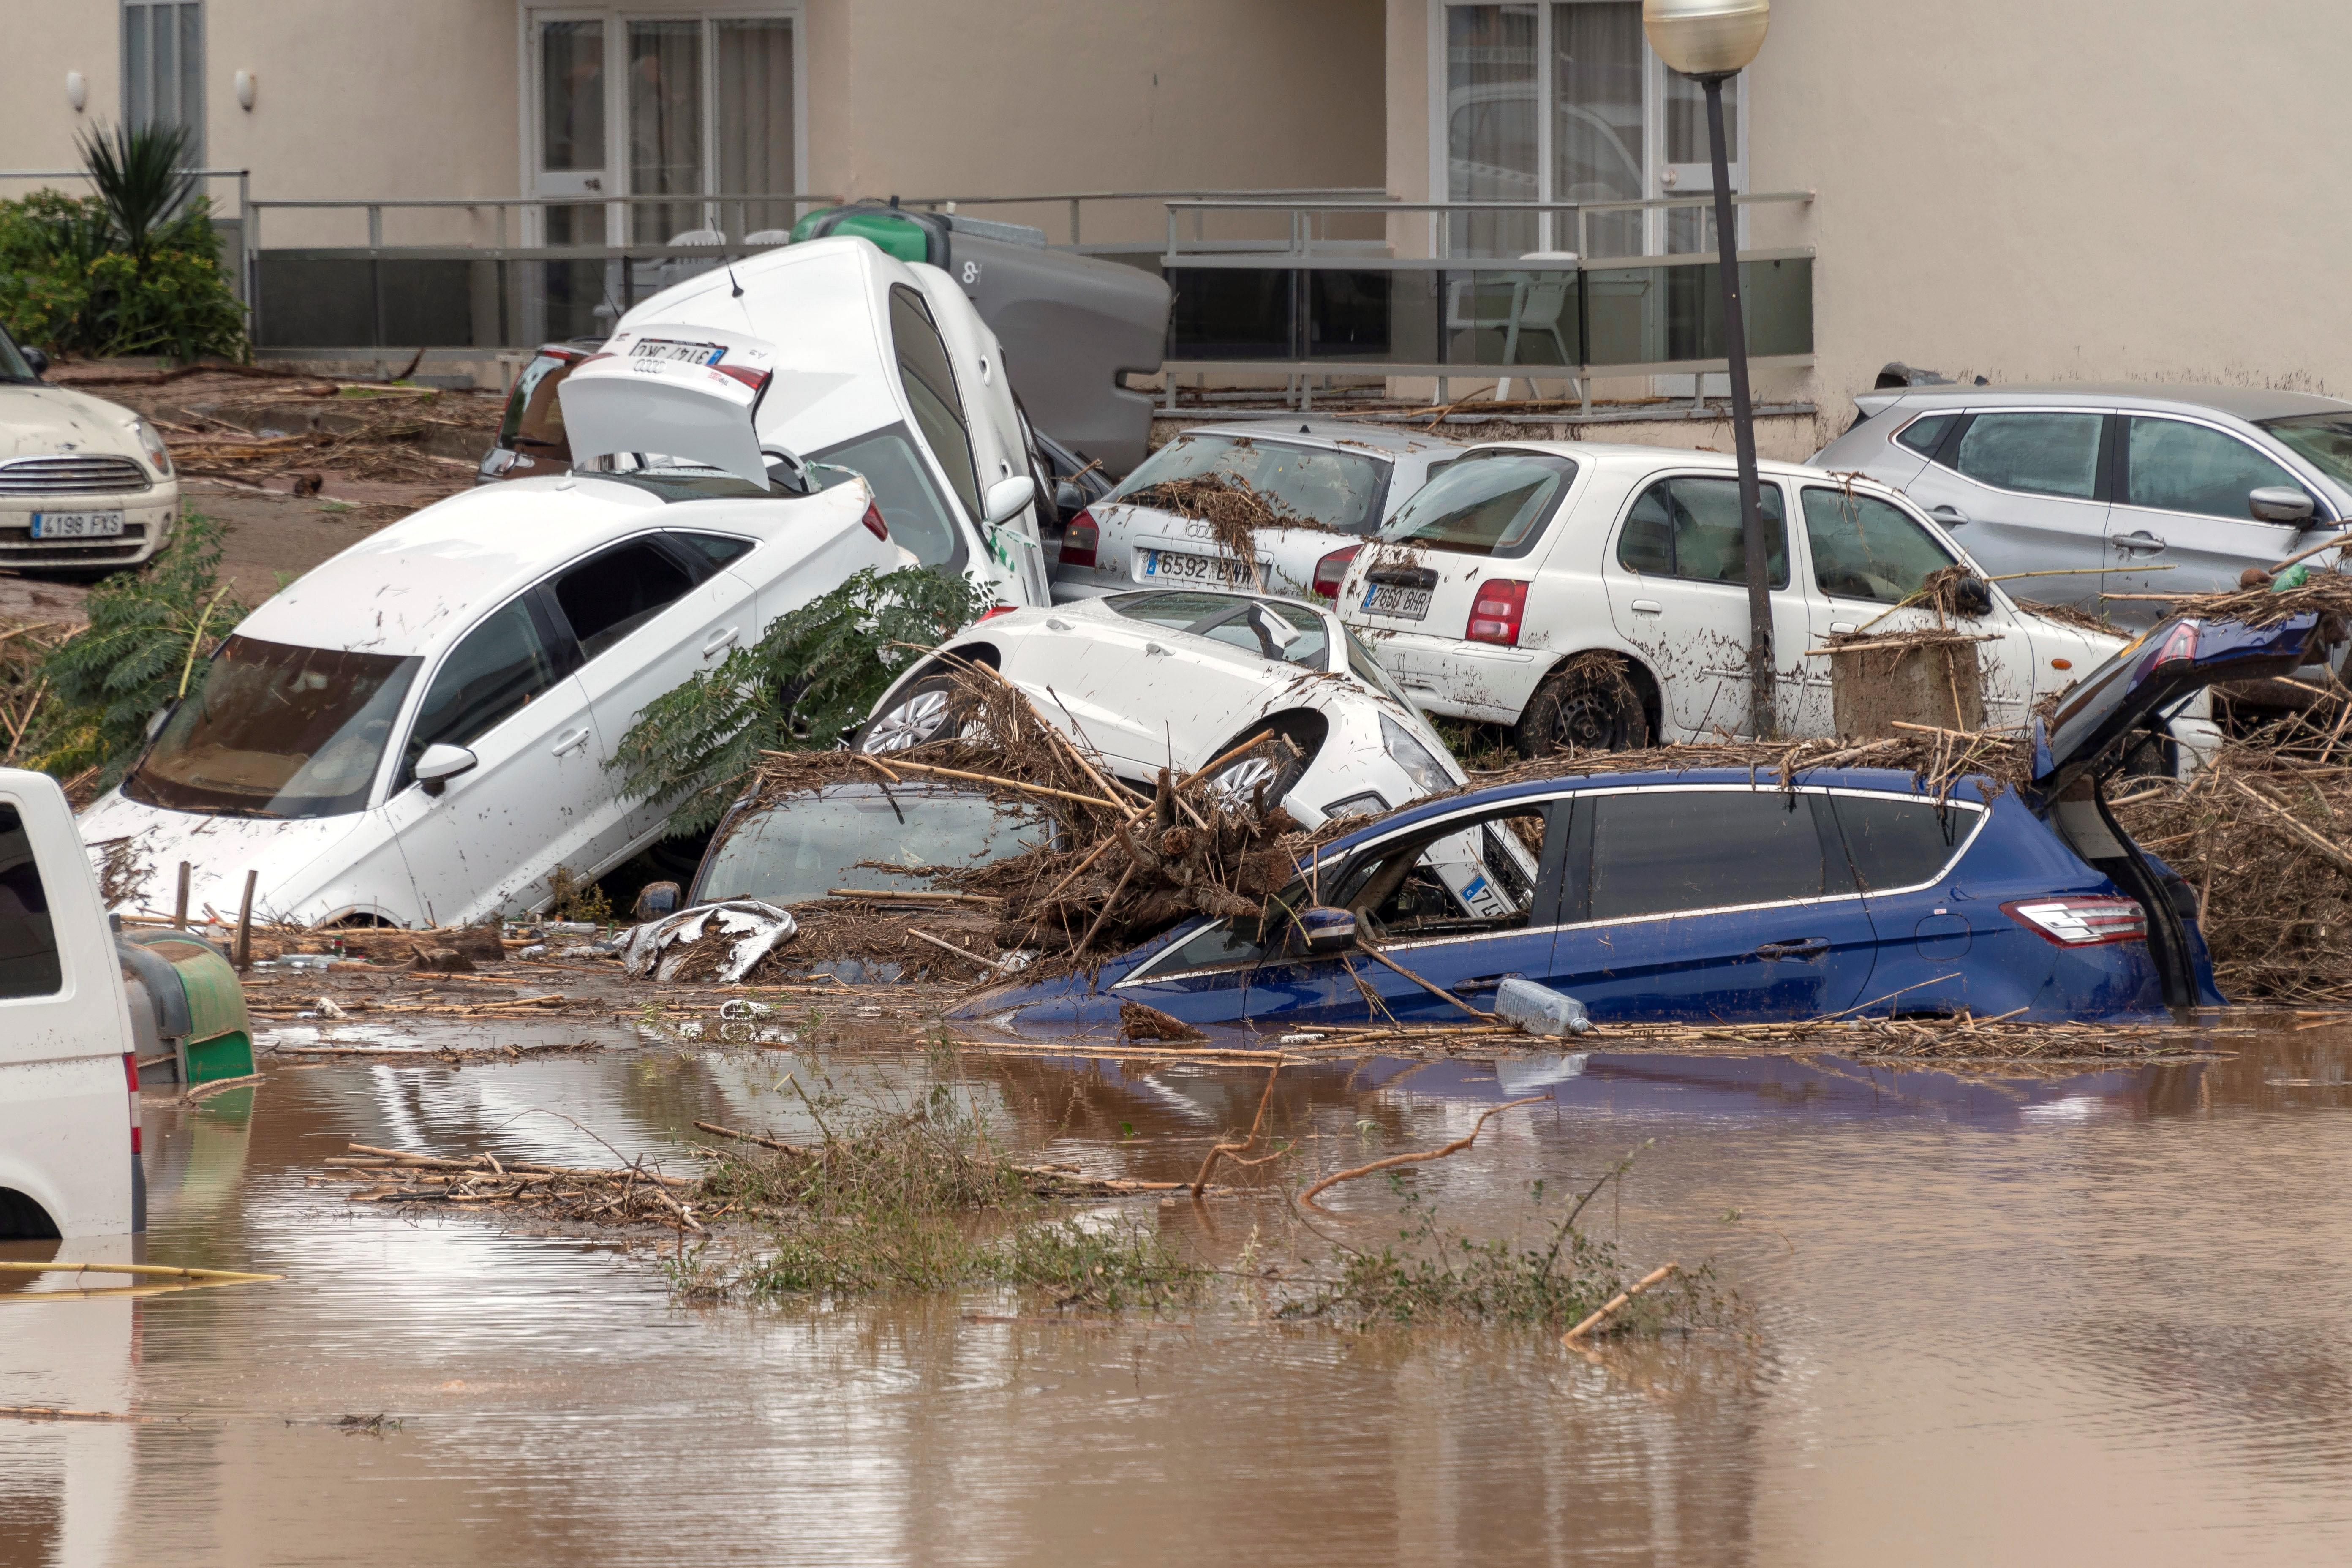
[2068, 1315]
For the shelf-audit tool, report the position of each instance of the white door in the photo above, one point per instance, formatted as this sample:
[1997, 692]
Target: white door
[570, 145]
[647, 615]
[495, 834]
[1677, 576]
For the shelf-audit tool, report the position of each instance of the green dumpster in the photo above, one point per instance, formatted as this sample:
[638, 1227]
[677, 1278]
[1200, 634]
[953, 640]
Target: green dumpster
[196, 1001]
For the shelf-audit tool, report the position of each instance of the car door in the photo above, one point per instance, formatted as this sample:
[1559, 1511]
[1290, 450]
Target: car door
[495, 834]
[1677, 576]
[1865, 555]
[647, 614]
[1454, 906]
[2181, 522]
[2025, 491]
[1710, 901]
[1900, 848]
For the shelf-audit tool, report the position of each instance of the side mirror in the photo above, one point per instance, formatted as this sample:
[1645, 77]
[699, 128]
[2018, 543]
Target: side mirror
[38, 360]
[1006, 497]
[2279, 503]
[441, 764]
[1971, 597]
[1068, 497]
[1324, 931]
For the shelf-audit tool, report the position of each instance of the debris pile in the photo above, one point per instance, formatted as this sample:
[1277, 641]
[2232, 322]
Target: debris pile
[1233, 508]
[627, 1195]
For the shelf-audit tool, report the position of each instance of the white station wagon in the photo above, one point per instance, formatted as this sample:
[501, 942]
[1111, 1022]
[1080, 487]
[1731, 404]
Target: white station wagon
[1520, 555]
[416, 732]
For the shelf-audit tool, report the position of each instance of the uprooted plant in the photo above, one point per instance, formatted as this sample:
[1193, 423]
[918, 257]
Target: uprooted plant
[802, 687]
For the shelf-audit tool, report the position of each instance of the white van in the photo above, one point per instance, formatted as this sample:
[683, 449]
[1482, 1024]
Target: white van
[68, 1070]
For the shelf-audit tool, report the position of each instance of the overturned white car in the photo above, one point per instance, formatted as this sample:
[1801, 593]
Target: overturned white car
[1179, 677]
[416, 732]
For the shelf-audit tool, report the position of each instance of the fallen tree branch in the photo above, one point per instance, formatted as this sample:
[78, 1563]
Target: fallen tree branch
[1233, 1151]
[1377, 956]
[1395, 1160]
[1617, 1303]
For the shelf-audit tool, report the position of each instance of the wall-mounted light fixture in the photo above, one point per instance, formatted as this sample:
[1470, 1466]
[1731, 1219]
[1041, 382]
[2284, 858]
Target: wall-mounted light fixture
[77, 89]
[244, 91]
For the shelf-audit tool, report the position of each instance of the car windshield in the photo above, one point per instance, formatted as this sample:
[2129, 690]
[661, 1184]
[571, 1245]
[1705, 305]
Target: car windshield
[534, 414]
[810, 844]
[1287, 634]
[13, 364]
[1340, 490]
[1489, 503]
[277, 731]
[911, 504]
[2324, 440]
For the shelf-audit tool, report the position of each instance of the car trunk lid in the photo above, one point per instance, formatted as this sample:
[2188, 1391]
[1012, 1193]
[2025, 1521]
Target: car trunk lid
[675, 391]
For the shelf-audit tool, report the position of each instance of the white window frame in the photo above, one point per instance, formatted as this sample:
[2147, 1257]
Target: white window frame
[1654, 182]
[194, 118]
[617, 20]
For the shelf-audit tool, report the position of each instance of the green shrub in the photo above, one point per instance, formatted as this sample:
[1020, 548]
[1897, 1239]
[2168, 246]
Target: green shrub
[812, 678]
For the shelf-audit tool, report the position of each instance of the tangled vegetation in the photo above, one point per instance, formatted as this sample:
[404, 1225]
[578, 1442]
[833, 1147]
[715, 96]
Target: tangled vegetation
[802, 687]
[133, 269]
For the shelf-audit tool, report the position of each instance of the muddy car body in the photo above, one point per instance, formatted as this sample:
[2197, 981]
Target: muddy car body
[416, 731]
[1342, 481]
[1177, 678]
[86, 486]
[1480, 595]
[1711, 894]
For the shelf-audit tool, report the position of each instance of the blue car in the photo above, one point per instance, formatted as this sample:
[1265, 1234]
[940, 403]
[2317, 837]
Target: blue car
[1712, 894]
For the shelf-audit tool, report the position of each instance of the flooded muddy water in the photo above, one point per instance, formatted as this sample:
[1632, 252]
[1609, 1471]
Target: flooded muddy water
[1999, 1317]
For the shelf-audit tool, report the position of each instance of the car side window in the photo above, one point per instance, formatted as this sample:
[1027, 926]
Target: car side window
[493, 672]
[29, 945]
[607, 596]
[2045, 453]
[929, 377]
[1900, 843]
[2174, 466]
[1658, 852]
[910, 499]
[1689, 526]
[1923, 436]
[1479, 875]
[705, 554]
[1866, 548]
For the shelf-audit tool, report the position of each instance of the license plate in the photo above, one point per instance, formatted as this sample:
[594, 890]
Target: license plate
[671, 351]
[1173, 566]
[1398, 604]
[77, 525]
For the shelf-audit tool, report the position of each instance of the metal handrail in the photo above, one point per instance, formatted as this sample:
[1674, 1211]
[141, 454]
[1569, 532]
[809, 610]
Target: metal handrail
[1302, 235]
[1075, 199]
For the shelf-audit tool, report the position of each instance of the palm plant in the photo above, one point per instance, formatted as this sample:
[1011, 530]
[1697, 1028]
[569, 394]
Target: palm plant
[139, 175]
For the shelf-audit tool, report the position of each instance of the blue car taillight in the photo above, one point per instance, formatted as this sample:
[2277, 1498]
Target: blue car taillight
[2081, 921]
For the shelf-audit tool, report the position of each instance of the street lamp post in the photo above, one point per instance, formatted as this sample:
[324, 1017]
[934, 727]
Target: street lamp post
[1711, 41]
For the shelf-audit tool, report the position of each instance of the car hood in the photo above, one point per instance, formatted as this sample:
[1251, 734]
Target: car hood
[293, 858]
[42, 420]
[2176, 657]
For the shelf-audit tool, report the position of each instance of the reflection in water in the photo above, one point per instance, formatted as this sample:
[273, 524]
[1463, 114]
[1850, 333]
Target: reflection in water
[2030, 1317]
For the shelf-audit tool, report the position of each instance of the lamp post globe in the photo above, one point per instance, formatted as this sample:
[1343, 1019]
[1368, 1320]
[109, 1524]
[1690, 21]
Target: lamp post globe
[1707, 38]
[1711, 41]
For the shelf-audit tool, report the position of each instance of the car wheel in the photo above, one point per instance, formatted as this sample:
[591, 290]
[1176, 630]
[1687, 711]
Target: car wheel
[1279, 768]
[1586, 705]
[924, 712]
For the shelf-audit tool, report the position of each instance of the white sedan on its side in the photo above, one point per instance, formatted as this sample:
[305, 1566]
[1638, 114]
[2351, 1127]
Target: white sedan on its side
[1178, 678]
[86, 486]
[416, 731]
[1479, 596]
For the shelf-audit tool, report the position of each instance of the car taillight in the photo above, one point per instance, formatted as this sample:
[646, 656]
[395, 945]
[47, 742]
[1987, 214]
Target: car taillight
[131, 1071]
[2179, 644]
[2081, 921]
[1495, 613]
[874, 523]
[1080, 539]
[1332, 570]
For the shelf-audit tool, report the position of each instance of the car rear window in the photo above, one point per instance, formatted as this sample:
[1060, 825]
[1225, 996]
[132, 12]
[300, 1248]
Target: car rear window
[534, 416]
[1923, 436]
[1340, 490]
[805, 846]
[1489, 503]
[1287, 633]
[29, 945]
[1900, 843]
[1657, 852]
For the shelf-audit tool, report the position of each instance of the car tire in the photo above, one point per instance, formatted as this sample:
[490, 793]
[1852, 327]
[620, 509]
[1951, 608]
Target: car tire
[1587, 704]
[1236, 782]
[921, 712]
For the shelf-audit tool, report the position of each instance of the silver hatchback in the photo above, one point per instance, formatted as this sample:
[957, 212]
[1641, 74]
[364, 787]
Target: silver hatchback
[2112, 491]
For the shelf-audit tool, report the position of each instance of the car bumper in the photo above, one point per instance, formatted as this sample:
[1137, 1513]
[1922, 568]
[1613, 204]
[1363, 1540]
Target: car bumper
[148, 517]
[1460, 679]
